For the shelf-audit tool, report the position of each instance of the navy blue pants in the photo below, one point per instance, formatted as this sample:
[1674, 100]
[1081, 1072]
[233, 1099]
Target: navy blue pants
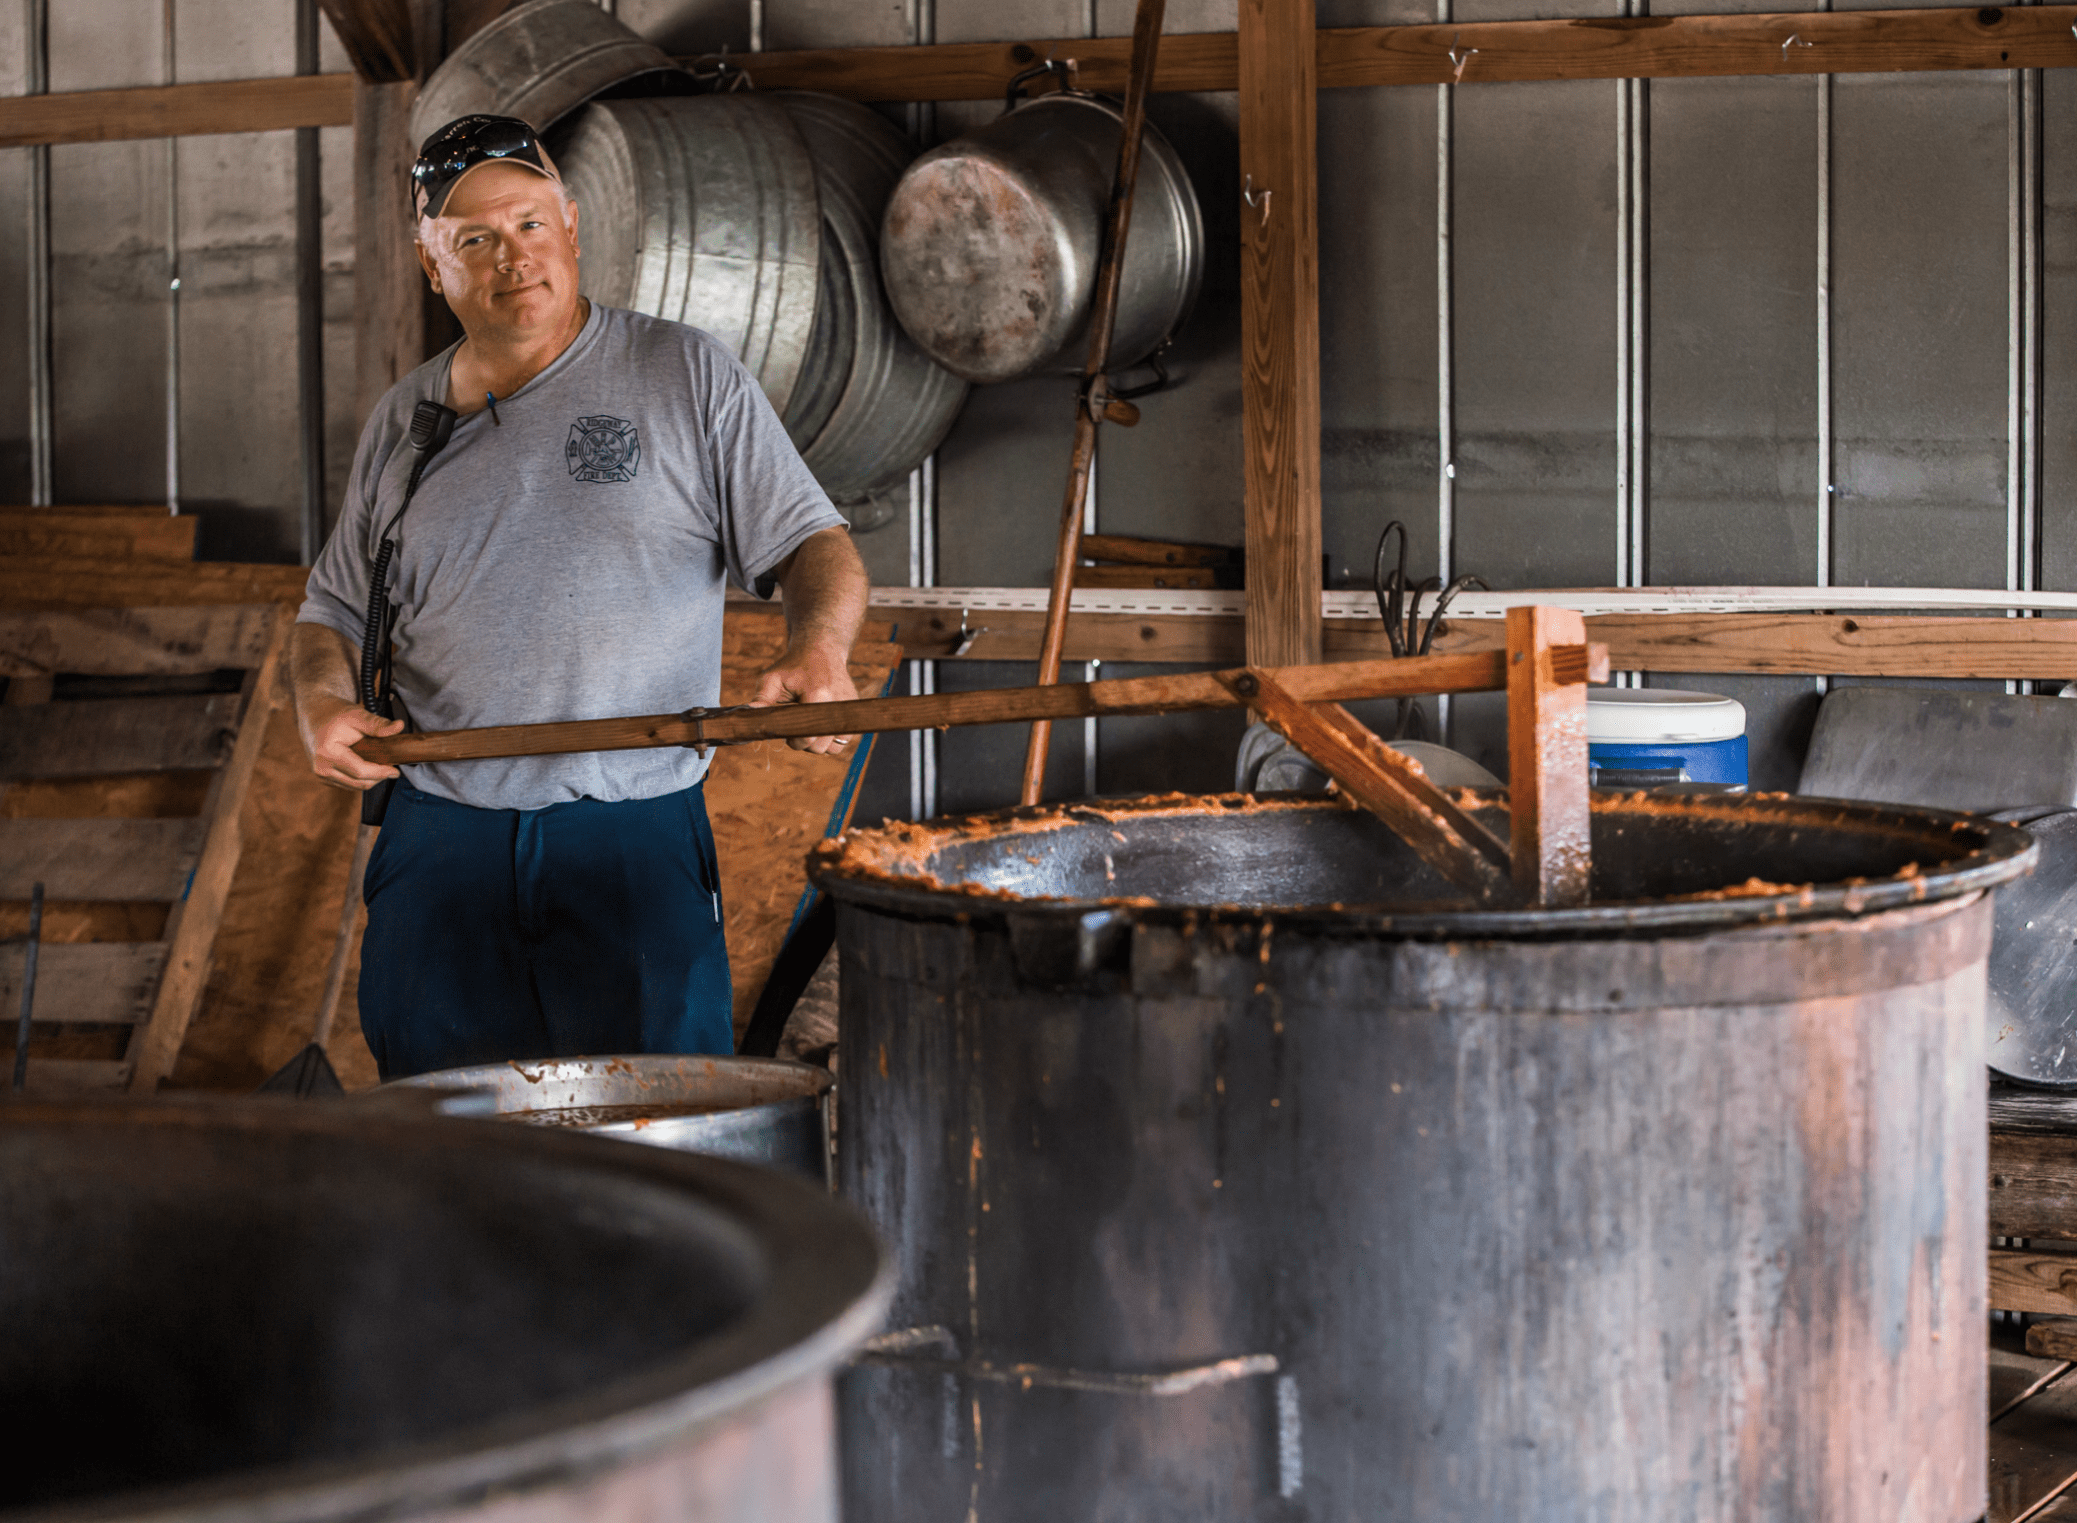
[579, 929]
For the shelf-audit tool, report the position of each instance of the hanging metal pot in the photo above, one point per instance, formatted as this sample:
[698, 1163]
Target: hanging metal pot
[990, 243]
[539, 62]
[871, 405]
[703, 209]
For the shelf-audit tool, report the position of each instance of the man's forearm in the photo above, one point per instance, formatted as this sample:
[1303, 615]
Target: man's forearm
[825, 589]
[323, 673]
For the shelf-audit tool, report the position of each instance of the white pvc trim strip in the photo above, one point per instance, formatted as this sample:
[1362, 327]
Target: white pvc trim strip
[1492, 605]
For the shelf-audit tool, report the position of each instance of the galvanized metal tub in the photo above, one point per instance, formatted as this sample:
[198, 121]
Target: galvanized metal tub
[871, 405]
[1233, 1171]
[539, 62]
[283, 1311]
[755, 1110]
[990, 244]
[704, 210]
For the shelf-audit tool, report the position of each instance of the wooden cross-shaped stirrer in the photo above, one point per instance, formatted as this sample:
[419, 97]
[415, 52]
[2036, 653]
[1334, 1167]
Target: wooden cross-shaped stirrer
[1549, 859]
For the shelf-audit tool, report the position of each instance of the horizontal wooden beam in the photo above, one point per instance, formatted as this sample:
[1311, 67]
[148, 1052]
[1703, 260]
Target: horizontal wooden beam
[2035, 1280]
[1643, 47]
[231, 105]
[1494, 52]
[1785, 644]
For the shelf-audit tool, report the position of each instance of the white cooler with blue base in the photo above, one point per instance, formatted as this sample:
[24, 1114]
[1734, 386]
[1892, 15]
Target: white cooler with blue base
[1648, 737]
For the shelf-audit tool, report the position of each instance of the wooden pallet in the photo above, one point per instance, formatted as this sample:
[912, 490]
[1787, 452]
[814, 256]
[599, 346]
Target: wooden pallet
[67, 765]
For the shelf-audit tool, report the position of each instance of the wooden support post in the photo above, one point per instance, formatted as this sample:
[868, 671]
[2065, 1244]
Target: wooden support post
[1280, 329]
[389, 329]
[1547, 759]
[1391, 786]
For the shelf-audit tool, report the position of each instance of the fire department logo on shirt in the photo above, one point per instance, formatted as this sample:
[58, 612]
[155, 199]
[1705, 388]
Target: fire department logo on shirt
[603, 449]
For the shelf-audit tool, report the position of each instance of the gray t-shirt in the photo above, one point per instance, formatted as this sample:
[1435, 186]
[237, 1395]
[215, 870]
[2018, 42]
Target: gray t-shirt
[566, 560]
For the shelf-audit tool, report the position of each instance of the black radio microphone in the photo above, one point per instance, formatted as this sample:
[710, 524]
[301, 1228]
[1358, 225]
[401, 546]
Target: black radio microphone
[432, 425]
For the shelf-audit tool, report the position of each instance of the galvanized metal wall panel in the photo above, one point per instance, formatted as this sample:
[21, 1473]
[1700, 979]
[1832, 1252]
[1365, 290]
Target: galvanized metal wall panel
[688, 28]
[1733, 331]
[1919, 328]
[1378, 356]
[2059, 328]
[109, 269]
[14, 273]
[1535, 325]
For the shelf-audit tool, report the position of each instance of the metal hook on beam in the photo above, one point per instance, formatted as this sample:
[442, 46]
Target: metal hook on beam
[1796, 42]
[1460, 56]
[1249, 194]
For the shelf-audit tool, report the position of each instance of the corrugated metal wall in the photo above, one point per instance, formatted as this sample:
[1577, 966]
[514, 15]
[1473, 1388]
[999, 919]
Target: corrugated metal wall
[126, 219]
[1578, 327]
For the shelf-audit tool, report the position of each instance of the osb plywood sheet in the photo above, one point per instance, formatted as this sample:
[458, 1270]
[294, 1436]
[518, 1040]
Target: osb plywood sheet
[769, 806]
[278, 929]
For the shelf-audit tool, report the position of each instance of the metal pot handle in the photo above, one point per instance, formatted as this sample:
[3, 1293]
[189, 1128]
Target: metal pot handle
[1062, 70]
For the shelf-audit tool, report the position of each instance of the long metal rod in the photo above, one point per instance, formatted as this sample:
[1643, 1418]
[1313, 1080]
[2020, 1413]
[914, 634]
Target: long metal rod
[1827, 494]
[923, 675]
[923, 535]
[1328, 682]
[310, 314]
[1638, 329]
[1622, 328]
[1445, 347]
[1827, 487]
[2024, 342]
[36, 27]
[1090, 402]
[169, 38]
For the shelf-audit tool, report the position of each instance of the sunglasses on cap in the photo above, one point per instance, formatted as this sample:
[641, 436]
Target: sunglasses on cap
[465, 143]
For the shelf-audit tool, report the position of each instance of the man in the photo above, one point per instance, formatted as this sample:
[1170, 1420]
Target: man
[563, 558]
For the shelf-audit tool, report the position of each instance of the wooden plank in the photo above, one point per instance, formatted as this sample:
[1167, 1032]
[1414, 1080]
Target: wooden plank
[1126, 550]
[1280, 330]
[105, 982]
[983, 70]
[1337, 683]
[1390, 786]
[389, 289]
[1864, 645]
[191, 929]
[1685, 47]
[2053, 1340]
[158, 535]
[229, 105]
[52, 581]
[1181, 577]
[69, 1076]
[1602, 47]
[2033, 1184]
[113, 642]
[1547, 759]
[380, 37]
[1842, 42]
[98, 736]
[2033, 1279]
[98, 859]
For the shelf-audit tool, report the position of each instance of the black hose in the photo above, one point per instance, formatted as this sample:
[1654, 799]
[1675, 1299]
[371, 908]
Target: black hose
[372, 629]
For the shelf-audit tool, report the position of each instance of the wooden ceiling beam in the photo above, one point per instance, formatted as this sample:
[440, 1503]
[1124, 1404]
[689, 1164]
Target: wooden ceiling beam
[1648, 47]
